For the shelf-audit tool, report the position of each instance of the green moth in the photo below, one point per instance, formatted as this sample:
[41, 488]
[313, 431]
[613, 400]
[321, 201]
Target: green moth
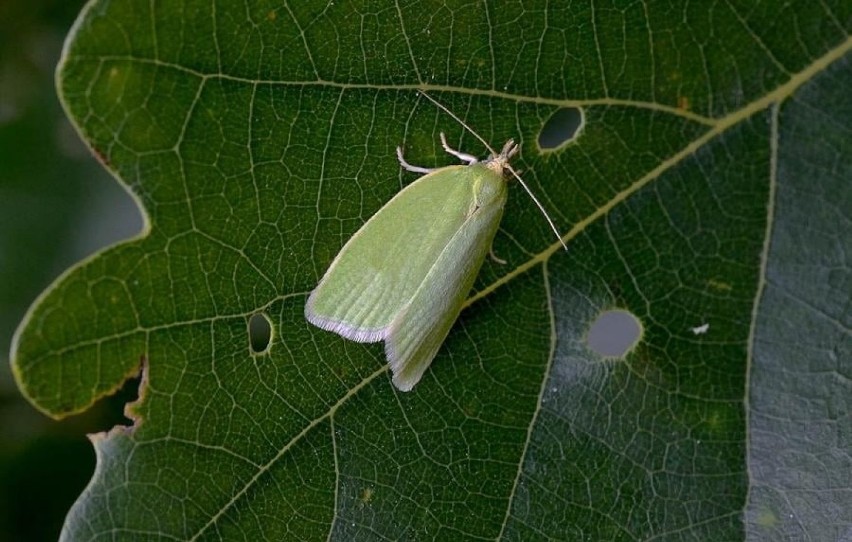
[404, 276]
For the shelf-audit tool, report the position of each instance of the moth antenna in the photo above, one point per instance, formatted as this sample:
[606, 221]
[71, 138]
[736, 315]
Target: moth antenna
[457, 119]
[509, 149]
[538, 204]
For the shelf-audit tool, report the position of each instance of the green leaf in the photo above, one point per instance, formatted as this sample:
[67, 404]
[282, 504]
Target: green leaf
[708, 186]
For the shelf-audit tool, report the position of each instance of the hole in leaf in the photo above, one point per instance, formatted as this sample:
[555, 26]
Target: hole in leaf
[260, 333]
[614, 333]
[561, 128]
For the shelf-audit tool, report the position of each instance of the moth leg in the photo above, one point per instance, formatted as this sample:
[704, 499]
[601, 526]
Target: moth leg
[464, 157]
[494, 257]
[409, 167]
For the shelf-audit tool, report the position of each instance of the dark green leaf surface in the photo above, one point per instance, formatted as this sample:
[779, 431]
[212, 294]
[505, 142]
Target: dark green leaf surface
[708, 186]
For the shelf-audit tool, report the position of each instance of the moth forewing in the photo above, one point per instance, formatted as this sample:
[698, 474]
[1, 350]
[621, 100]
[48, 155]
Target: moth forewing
[418, 332]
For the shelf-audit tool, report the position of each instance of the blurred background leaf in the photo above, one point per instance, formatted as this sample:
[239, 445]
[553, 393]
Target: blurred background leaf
[259, 140]
[57, 205]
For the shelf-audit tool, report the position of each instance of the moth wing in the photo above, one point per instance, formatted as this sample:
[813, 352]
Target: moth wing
[419, 330]
[376, 273]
